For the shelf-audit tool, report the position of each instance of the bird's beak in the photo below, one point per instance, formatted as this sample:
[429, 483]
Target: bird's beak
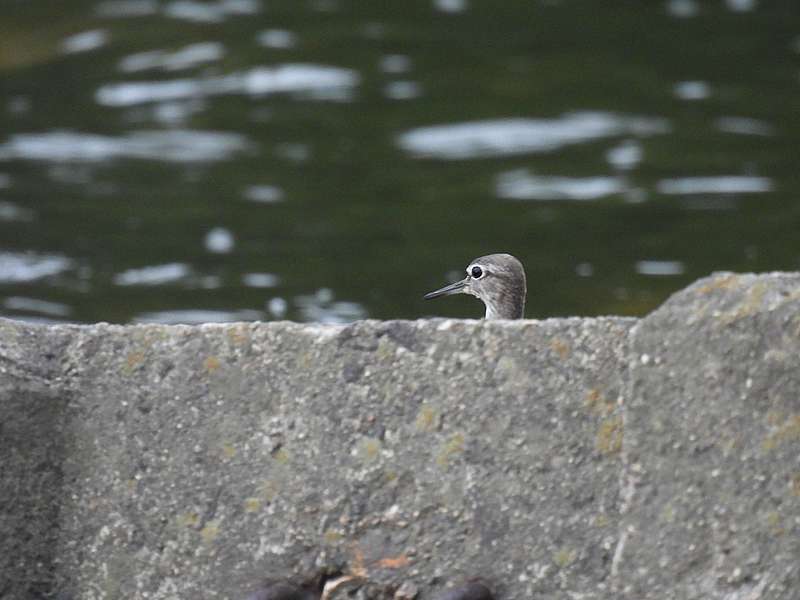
[453, 288]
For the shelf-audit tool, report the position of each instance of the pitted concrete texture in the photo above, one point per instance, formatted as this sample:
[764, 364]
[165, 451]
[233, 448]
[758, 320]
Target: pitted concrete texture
[200, 461]
[712, 445]
[561, 459]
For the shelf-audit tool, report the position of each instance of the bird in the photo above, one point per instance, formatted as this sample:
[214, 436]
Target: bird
[496, 279]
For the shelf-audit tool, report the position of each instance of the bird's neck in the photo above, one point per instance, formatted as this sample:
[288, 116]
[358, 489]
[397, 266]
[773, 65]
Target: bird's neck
[505, 310]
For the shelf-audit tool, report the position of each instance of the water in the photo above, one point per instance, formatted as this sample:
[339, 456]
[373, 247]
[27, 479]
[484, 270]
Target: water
[331, 160]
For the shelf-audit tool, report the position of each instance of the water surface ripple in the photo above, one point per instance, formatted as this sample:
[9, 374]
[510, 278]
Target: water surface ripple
[183, 161]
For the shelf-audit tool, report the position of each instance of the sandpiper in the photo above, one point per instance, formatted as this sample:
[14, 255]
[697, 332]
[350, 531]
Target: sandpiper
[498, 280]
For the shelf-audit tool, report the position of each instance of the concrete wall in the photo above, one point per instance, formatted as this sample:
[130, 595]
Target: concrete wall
[560, 459]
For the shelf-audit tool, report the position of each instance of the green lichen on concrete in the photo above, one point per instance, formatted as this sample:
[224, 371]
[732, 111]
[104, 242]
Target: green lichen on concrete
[332, 536]
[610, 435]
[369, 449]
[750, 304]
[564, 557]
[451, 448]
[428, 418]
[252, 504]
[786, 432]
[210, 531]
[281, 456]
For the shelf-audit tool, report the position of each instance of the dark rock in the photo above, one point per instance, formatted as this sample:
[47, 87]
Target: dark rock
[470, 591]
[283, 591]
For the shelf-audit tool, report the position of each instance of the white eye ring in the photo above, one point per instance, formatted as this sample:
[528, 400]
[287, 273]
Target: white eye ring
[476, 271]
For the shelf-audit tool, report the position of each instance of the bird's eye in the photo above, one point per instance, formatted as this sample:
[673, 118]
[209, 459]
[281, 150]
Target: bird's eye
[476, 272]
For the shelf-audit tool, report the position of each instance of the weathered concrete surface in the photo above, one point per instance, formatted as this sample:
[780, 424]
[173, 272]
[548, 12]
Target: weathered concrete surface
[197, 462]
[712, 445]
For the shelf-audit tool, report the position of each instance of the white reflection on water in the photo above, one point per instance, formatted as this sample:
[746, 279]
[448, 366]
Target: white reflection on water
[128, 94]
[169, 113]
[450, 6]
[692, 90]
[43, 307]
[682, 8]
[317, 82]
[153, 275]
[188, 10]
[522, 185]
[402, 90]
[198, 316]
[11, 212]
[742, 5]
[660, 268]
[126, 8]
[325, 5]
[263, 194]
[374, 30]
[321, 308]
[18, 267]
[277, 307]
[504, 137]
[744, 126]
[395, 64]
[209, 282]
[711, 203]
[726, 184]
[219, 240]
[38, 319]
[70, 173]
[260, 280]
[210, 12]
[295, 152]
[185, 58]
[626, 156]
[173, 146]
[19, 105]
[277, 39]
[84, 42]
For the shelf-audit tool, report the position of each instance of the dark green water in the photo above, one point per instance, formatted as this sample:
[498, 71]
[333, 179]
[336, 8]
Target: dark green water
[330, 160]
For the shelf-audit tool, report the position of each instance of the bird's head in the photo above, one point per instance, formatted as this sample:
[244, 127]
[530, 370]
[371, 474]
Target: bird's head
[498, 280]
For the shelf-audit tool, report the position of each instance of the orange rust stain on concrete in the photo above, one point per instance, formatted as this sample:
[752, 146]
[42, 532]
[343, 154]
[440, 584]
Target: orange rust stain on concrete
[719, 283]
[560, 347]
[394, 562]
[211, 364]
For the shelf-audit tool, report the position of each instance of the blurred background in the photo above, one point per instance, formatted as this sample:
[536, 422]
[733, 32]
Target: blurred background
[332, 160]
